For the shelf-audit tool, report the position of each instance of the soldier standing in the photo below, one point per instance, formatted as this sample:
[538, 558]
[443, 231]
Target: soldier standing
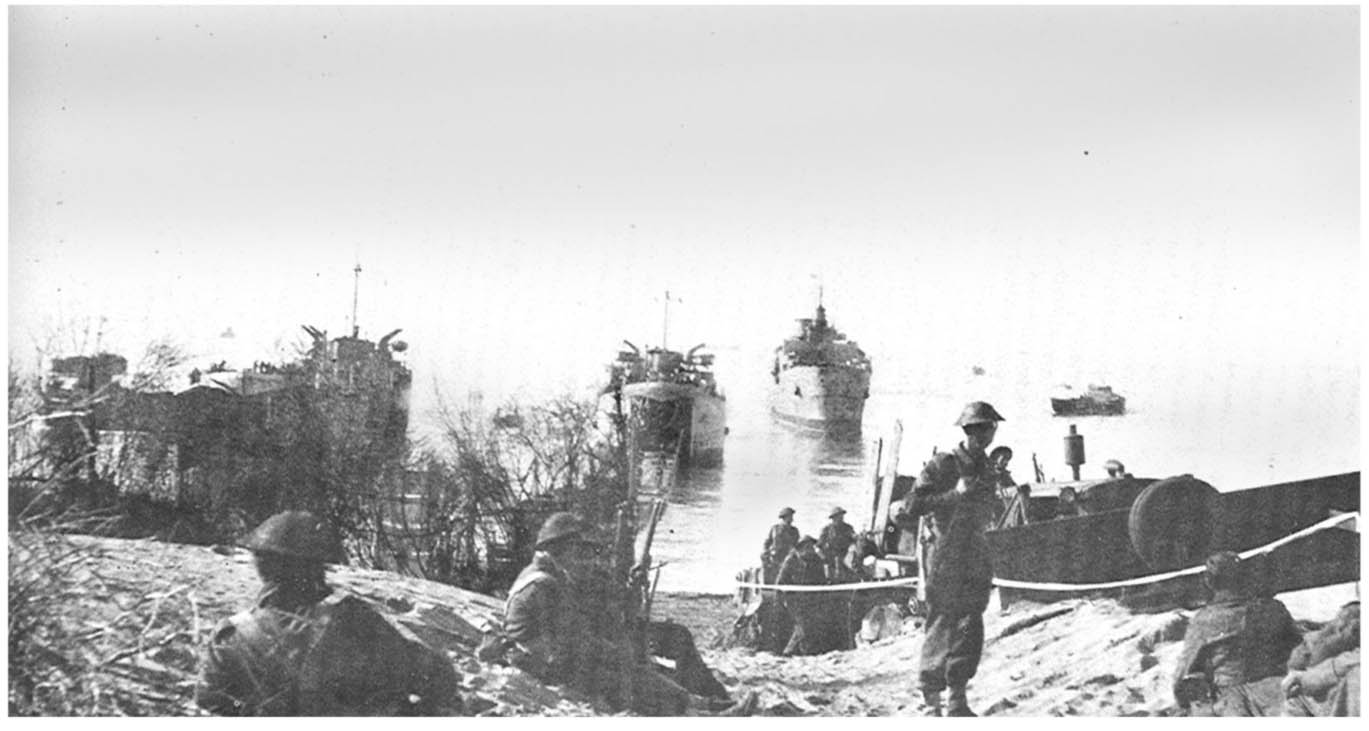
[803, 567]
[305, 650]
[781, 539]
[834, 541]
[1236, 648]
[956, 492]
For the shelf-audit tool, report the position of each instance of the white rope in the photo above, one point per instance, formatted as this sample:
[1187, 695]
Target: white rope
[1034, 586]
[857, 586]
[1156, 578]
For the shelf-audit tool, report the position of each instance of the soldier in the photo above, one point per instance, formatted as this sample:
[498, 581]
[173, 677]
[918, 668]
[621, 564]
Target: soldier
[1235, 649]
[778, 543]
[552, 638]
[1322, 669]
[803, 567]
[956, 492]
[834, 541]
[305, 650]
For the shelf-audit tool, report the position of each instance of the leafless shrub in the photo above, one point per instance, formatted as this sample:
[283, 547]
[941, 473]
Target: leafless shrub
[474, 499]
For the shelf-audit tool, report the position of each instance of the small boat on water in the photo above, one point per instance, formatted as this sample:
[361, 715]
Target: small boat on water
[671, 403]
[1098, 400]
[821, 379]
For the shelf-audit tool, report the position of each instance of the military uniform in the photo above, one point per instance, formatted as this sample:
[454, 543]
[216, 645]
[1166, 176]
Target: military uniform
[959, 566]
[553, 639]
[1235, 649]
[305, 650]
[1329, 688]
[539, 618]
[833, 543]
[778, 543]
[1330, 657]
[336, 657]
[803, 568]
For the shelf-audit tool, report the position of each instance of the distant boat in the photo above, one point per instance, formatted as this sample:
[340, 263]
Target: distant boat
[1098, 400]
[671, 402]
[977, 370]
[821, 379]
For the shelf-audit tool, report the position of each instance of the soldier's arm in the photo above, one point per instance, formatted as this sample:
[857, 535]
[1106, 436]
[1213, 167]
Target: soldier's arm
[1289, 638]
[529, 622]
[224, 681]
[1191, 683]
[1324, 675]
[769, 541]
[930, 491]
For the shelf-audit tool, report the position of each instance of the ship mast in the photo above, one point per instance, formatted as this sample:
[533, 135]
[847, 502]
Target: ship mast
[356, 284]
[665, 320]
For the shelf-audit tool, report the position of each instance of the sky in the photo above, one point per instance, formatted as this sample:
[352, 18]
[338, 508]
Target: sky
[1164, 191]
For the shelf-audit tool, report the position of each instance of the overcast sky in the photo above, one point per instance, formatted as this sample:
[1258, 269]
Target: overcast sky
[521, 183]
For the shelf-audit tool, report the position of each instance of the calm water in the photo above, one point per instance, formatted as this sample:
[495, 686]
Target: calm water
[1233, 429]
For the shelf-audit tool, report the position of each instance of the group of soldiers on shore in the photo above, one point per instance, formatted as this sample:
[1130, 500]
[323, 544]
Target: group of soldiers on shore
[305, 649]
[790, 560]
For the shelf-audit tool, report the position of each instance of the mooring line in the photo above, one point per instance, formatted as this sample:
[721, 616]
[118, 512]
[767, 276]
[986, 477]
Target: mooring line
[1044, 586]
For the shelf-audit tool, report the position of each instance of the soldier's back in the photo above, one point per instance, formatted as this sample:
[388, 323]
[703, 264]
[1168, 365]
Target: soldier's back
[338, 658]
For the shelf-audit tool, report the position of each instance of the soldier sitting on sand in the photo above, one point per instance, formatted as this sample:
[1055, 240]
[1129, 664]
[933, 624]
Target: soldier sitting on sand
[551, 635]
[1323, 672]
[1235, 649]
[305, 650]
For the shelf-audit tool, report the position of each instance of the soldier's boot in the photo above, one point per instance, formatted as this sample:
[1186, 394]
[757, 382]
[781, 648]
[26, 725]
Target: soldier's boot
[718, 707]
[956, 702]
[931, 702]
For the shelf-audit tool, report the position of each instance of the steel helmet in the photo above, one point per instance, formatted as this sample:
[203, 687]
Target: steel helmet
[978, 412]
[786, 512]
[560, 526]
[806, 541]
[296, 533]
[836, 511]
[1223, 569]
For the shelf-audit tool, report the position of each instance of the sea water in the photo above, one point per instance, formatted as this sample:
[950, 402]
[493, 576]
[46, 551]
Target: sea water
[1234, 427]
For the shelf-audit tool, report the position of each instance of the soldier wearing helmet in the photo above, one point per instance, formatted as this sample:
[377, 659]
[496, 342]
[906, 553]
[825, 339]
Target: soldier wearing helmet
[834, 541]
[306, 650]
[1115, 469]
[781, 539]
[804, 567]
[1236, 647]
[551, 634]
[955, 495]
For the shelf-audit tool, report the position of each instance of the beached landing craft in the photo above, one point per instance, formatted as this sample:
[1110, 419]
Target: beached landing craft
[821, 379]
[1144, 540]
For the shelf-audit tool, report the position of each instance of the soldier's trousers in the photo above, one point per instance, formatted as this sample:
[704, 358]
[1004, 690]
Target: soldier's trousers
[675, 642]
[951, 650]
[1342, 700]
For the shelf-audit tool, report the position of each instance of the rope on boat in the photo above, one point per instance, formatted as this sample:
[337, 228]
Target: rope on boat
[1156, 578]
[1042, 586]
[856, 586]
